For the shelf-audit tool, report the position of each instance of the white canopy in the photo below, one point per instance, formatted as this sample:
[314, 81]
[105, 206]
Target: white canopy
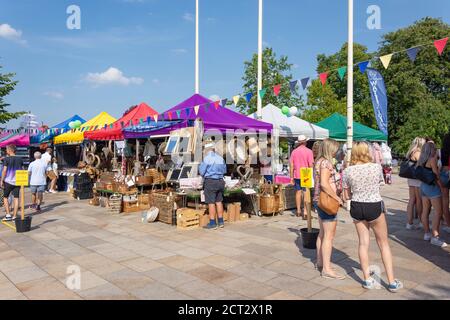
[289, 126]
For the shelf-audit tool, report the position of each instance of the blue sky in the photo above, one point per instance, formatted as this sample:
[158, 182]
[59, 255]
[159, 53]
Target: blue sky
[148, 47]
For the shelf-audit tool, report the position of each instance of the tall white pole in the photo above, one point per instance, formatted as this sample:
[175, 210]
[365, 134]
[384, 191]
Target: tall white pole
[197, 81]
[260, 58]
[350, 82]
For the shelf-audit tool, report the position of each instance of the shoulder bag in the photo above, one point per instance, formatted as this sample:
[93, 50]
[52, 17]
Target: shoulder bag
[425, 175]
[327, 203]
[408, 169]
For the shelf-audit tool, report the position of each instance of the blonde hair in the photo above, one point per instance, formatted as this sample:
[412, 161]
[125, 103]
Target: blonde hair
[361, 152]
[328, 149]
[428, 151]
[416, 145]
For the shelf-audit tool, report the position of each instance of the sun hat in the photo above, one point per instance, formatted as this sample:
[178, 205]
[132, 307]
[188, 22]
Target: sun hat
[302, 138]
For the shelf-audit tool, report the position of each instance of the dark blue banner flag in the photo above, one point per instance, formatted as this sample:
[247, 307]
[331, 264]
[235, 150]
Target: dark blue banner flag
[379, 98]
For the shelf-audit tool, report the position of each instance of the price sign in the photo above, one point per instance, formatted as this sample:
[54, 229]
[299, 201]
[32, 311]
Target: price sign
[306, 178]
[22, 178]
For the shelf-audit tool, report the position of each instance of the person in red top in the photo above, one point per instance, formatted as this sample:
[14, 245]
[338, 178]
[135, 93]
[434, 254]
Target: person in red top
[301, 157]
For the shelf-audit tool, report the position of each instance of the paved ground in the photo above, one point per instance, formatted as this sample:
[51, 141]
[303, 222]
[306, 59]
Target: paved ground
[263, 258]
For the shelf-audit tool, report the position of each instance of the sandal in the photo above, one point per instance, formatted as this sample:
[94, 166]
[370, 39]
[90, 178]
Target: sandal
[336, 276]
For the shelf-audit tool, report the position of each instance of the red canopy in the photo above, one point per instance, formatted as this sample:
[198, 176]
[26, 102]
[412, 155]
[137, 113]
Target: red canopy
[131, 117]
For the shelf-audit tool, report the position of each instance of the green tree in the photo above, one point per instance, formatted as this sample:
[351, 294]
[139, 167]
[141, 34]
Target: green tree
[6, 86]
[275, 71]
[413, 86]
[331, 98]
[430, 119]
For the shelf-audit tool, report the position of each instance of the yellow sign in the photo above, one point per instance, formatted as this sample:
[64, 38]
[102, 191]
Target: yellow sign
[306, 177]
[22, 178]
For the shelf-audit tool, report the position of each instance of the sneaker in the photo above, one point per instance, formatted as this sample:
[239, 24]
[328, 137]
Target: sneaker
[410, 226]
[427, 236]
[446, 229]
[420, 226]
[53, 191]
[210, 226]
[38, 208]
[7, 218]
[395, 286]
[369, 284]
[435, 241]
[221, 225]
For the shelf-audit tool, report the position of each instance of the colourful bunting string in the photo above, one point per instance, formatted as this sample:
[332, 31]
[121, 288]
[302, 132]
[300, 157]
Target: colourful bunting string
[412, 53]
[386, 60]
[262, 93]
[188, 111]
[178, 112]
[248, 97]
[236, 99]
[196, 108]
[304, 82]
[170, 115]
[323, 77]
[341, 72]
[217, 104]
[224, 102]
[276, 90]
[155, 117]
[293, 86]
[363, 66]
[440, 45]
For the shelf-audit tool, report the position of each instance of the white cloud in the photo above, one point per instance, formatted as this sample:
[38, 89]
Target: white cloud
[179, 51]
[111, 76]
[295, 66]
[212, 20]
[156, 81]
[188, 17]
[54, 94]
[9, 33]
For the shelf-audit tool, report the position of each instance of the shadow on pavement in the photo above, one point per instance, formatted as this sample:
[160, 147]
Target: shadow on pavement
[50, 207]
[311, 255]
[413, 241]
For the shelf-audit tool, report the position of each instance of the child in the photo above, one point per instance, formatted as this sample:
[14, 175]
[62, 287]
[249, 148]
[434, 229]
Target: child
[53, 170]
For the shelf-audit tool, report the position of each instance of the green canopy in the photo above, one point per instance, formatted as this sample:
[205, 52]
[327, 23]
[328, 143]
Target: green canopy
[337, 126]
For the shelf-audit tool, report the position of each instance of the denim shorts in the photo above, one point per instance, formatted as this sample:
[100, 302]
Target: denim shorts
[445, 175]
[325, 217]
[38, 189]
[430, 191]
[297, 185]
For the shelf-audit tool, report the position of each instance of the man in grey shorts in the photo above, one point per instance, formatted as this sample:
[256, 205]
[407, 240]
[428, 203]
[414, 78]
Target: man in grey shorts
[38, 180]
[212, 169]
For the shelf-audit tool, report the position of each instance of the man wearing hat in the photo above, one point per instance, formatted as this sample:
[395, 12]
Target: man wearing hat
[301, 157]
[212, 169]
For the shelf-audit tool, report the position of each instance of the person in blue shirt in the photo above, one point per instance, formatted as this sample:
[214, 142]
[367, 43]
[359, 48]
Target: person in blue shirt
[212, 169]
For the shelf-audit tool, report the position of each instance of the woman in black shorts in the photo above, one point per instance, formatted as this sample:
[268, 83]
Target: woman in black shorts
[361, 182]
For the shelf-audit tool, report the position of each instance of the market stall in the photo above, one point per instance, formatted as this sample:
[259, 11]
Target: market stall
[47, 135]
[337, 126]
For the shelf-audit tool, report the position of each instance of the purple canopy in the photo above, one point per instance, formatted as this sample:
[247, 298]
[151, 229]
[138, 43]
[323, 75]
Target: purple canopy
[220, 119]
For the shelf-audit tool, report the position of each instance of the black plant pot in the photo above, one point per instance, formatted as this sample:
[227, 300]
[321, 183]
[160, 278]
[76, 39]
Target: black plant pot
[309, 238]
[23, 225]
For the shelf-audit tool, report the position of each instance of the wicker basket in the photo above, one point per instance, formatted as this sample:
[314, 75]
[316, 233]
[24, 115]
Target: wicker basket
[156, 176]
[115, 203]
[269, 203]
[166, 202]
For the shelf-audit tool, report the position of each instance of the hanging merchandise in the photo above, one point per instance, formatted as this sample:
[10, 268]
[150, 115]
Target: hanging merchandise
[149, 150]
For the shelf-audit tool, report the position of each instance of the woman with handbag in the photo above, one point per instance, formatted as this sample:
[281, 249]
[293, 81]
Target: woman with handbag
[362, 181]
[326, 203]
[445, 178]
[415, 198]
[427, 171]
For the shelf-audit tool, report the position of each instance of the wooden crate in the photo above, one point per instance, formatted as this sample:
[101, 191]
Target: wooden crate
[188, 219]
[131, 207]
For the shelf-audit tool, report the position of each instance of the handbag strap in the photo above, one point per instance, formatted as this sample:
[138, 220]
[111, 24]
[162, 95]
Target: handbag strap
[320, 173]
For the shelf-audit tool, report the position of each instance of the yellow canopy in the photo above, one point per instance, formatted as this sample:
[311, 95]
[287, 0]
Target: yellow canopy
[77, 136]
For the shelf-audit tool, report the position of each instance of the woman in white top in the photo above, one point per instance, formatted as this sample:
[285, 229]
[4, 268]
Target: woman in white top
[415, 198]
[361, 182]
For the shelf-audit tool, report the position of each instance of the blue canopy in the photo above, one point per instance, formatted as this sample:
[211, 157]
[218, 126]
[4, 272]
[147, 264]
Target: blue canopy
[151, 126]
[49, 134]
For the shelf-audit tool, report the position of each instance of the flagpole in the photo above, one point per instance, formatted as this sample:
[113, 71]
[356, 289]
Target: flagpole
[197, 82]
[260, 59]
[350, 82]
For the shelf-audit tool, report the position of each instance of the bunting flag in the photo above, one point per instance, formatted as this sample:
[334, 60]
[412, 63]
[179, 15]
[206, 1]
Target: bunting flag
[224, 102]
[188, 112]
[111, 125]
[386, 60]
[149, 120]
[304, 82]
[216, 104]
[206, 107]
[262, 93]
[122, 124]
[155, 117]
[178, 112]
[170, 115]
[236, 99]
[293, 86]
[323, 77]
[196, 109]
[248, 97]
[131, 123]
[412, 53]
[276, 90]
[440, 45]
[342, 71]
[363, 66]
